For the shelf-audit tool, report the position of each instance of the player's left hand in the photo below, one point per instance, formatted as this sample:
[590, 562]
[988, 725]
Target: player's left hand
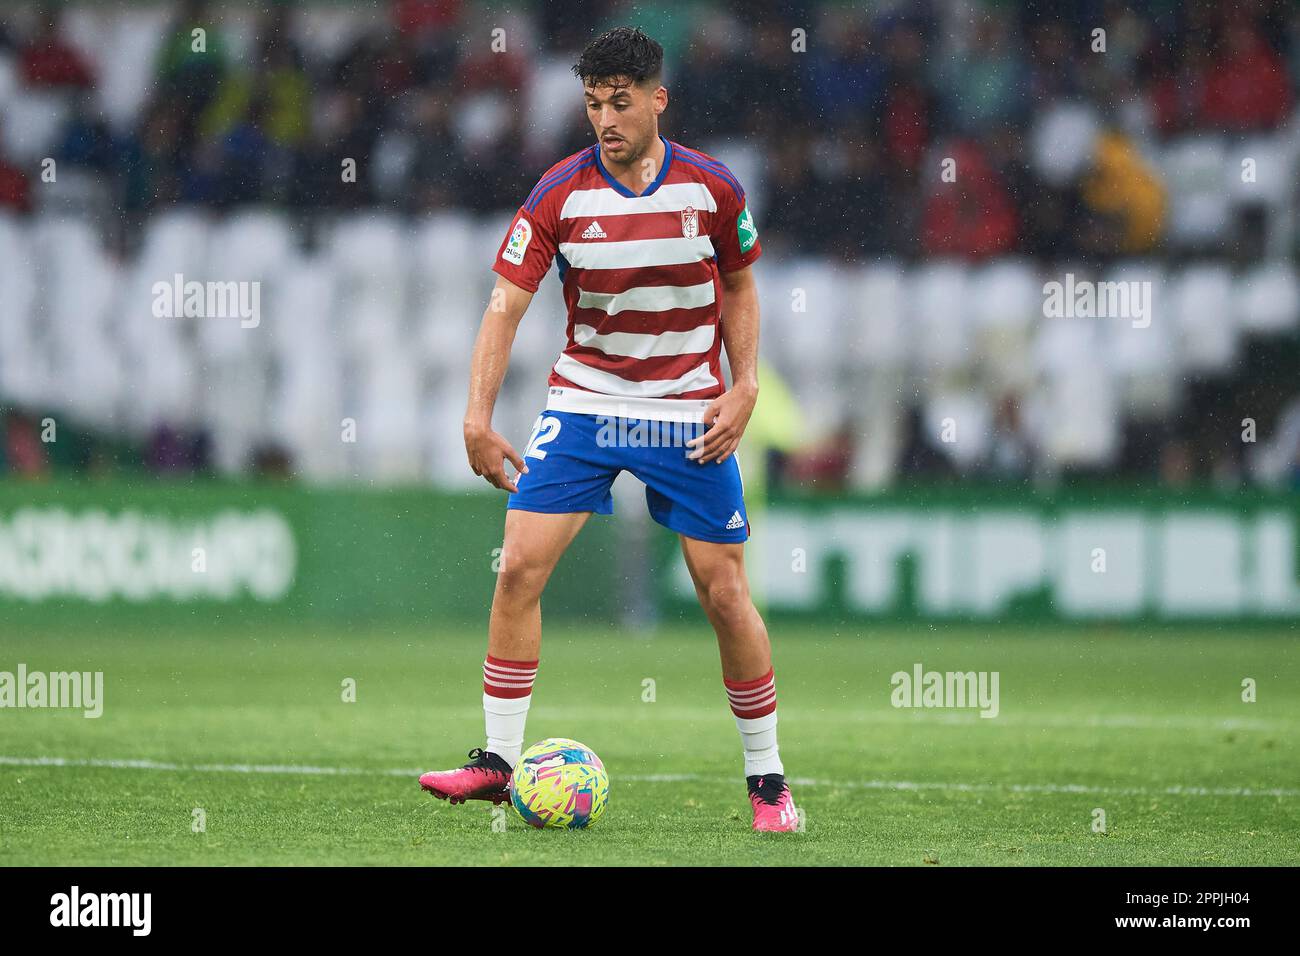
[725, 419]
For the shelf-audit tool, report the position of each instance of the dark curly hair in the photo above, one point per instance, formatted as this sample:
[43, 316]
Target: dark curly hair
[622, 52]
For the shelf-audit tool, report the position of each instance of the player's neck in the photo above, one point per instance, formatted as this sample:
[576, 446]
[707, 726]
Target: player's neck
[636, 175]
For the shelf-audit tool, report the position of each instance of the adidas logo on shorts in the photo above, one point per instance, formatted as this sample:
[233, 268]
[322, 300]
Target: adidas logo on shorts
[736, 522]
[594, 231]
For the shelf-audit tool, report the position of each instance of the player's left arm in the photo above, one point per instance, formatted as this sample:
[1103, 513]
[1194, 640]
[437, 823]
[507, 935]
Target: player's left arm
[729, 413]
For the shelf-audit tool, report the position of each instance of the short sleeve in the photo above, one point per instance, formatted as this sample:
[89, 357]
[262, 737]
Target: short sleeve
[527, 250]
[735, 237]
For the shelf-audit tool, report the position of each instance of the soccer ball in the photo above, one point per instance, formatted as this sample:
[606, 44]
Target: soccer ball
[559, 783]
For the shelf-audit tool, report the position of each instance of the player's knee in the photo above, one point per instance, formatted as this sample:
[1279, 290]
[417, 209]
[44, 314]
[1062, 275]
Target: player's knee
[727, 597]
[520, 580]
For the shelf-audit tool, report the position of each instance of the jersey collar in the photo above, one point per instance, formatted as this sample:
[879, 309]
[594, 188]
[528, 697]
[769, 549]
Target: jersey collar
[623, 190]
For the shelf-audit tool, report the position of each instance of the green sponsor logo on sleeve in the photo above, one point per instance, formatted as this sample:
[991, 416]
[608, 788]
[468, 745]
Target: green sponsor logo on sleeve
[746, 230]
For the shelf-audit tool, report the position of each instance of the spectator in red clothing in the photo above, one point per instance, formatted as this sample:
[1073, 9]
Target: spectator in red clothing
[23, 450]
[484, 69]
[972, 217]
[908, 105]
[415, 17]
[15, 192]
[48, 60]
[1246, 84]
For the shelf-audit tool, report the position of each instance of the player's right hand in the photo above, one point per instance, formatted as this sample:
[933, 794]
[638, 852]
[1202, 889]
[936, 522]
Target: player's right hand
[488, 452]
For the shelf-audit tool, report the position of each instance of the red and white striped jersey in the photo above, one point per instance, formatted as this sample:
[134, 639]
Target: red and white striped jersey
[641, 277]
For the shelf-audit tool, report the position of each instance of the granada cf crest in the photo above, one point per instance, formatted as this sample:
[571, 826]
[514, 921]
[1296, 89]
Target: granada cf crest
[690, 222]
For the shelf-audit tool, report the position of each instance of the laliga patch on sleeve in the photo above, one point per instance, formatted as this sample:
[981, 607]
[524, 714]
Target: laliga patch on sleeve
[746, 231]
[518, 244]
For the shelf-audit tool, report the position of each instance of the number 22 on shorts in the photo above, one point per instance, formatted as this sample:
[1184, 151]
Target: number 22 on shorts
[545, 429]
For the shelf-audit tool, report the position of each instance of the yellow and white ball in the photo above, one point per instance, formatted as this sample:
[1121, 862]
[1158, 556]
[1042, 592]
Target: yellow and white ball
[559, 783]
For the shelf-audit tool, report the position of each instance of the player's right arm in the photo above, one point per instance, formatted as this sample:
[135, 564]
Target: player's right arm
[524, 257]
[487, 450]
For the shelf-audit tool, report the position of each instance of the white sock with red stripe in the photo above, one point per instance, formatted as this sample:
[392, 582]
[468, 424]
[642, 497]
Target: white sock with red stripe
[507, 692]
[754, 704]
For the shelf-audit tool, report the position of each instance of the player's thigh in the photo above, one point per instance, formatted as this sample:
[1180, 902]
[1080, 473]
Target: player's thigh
[534, 543]
[705, 502]
[715, 566]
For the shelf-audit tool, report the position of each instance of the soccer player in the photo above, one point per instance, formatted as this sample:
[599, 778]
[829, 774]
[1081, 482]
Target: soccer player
[654, 245]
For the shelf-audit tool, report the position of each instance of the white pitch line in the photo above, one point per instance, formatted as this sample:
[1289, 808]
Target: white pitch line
[970, 718]
[1136, 721]
[1178, 790]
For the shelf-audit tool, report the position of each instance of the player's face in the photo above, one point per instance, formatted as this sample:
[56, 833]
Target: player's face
[625, 117]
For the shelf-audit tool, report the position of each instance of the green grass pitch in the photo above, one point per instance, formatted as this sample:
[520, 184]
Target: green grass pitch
[249, 726]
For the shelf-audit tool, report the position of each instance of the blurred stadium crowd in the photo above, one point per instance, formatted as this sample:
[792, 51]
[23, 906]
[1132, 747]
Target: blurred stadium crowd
[895, 298]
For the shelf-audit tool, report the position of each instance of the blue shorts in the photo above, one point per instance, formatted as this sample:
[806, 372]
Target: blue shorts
[574, 458]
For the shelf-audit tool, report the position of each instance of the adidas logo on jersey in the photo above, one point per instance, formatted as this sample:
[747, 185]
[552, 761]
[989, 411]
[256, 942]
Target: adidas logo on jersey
[594, 231]
[736, 522]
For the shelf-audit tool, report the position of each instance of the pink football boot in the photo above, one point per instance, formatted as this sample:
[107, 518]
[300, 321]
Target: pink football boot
[485, 777]
[774, 809]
